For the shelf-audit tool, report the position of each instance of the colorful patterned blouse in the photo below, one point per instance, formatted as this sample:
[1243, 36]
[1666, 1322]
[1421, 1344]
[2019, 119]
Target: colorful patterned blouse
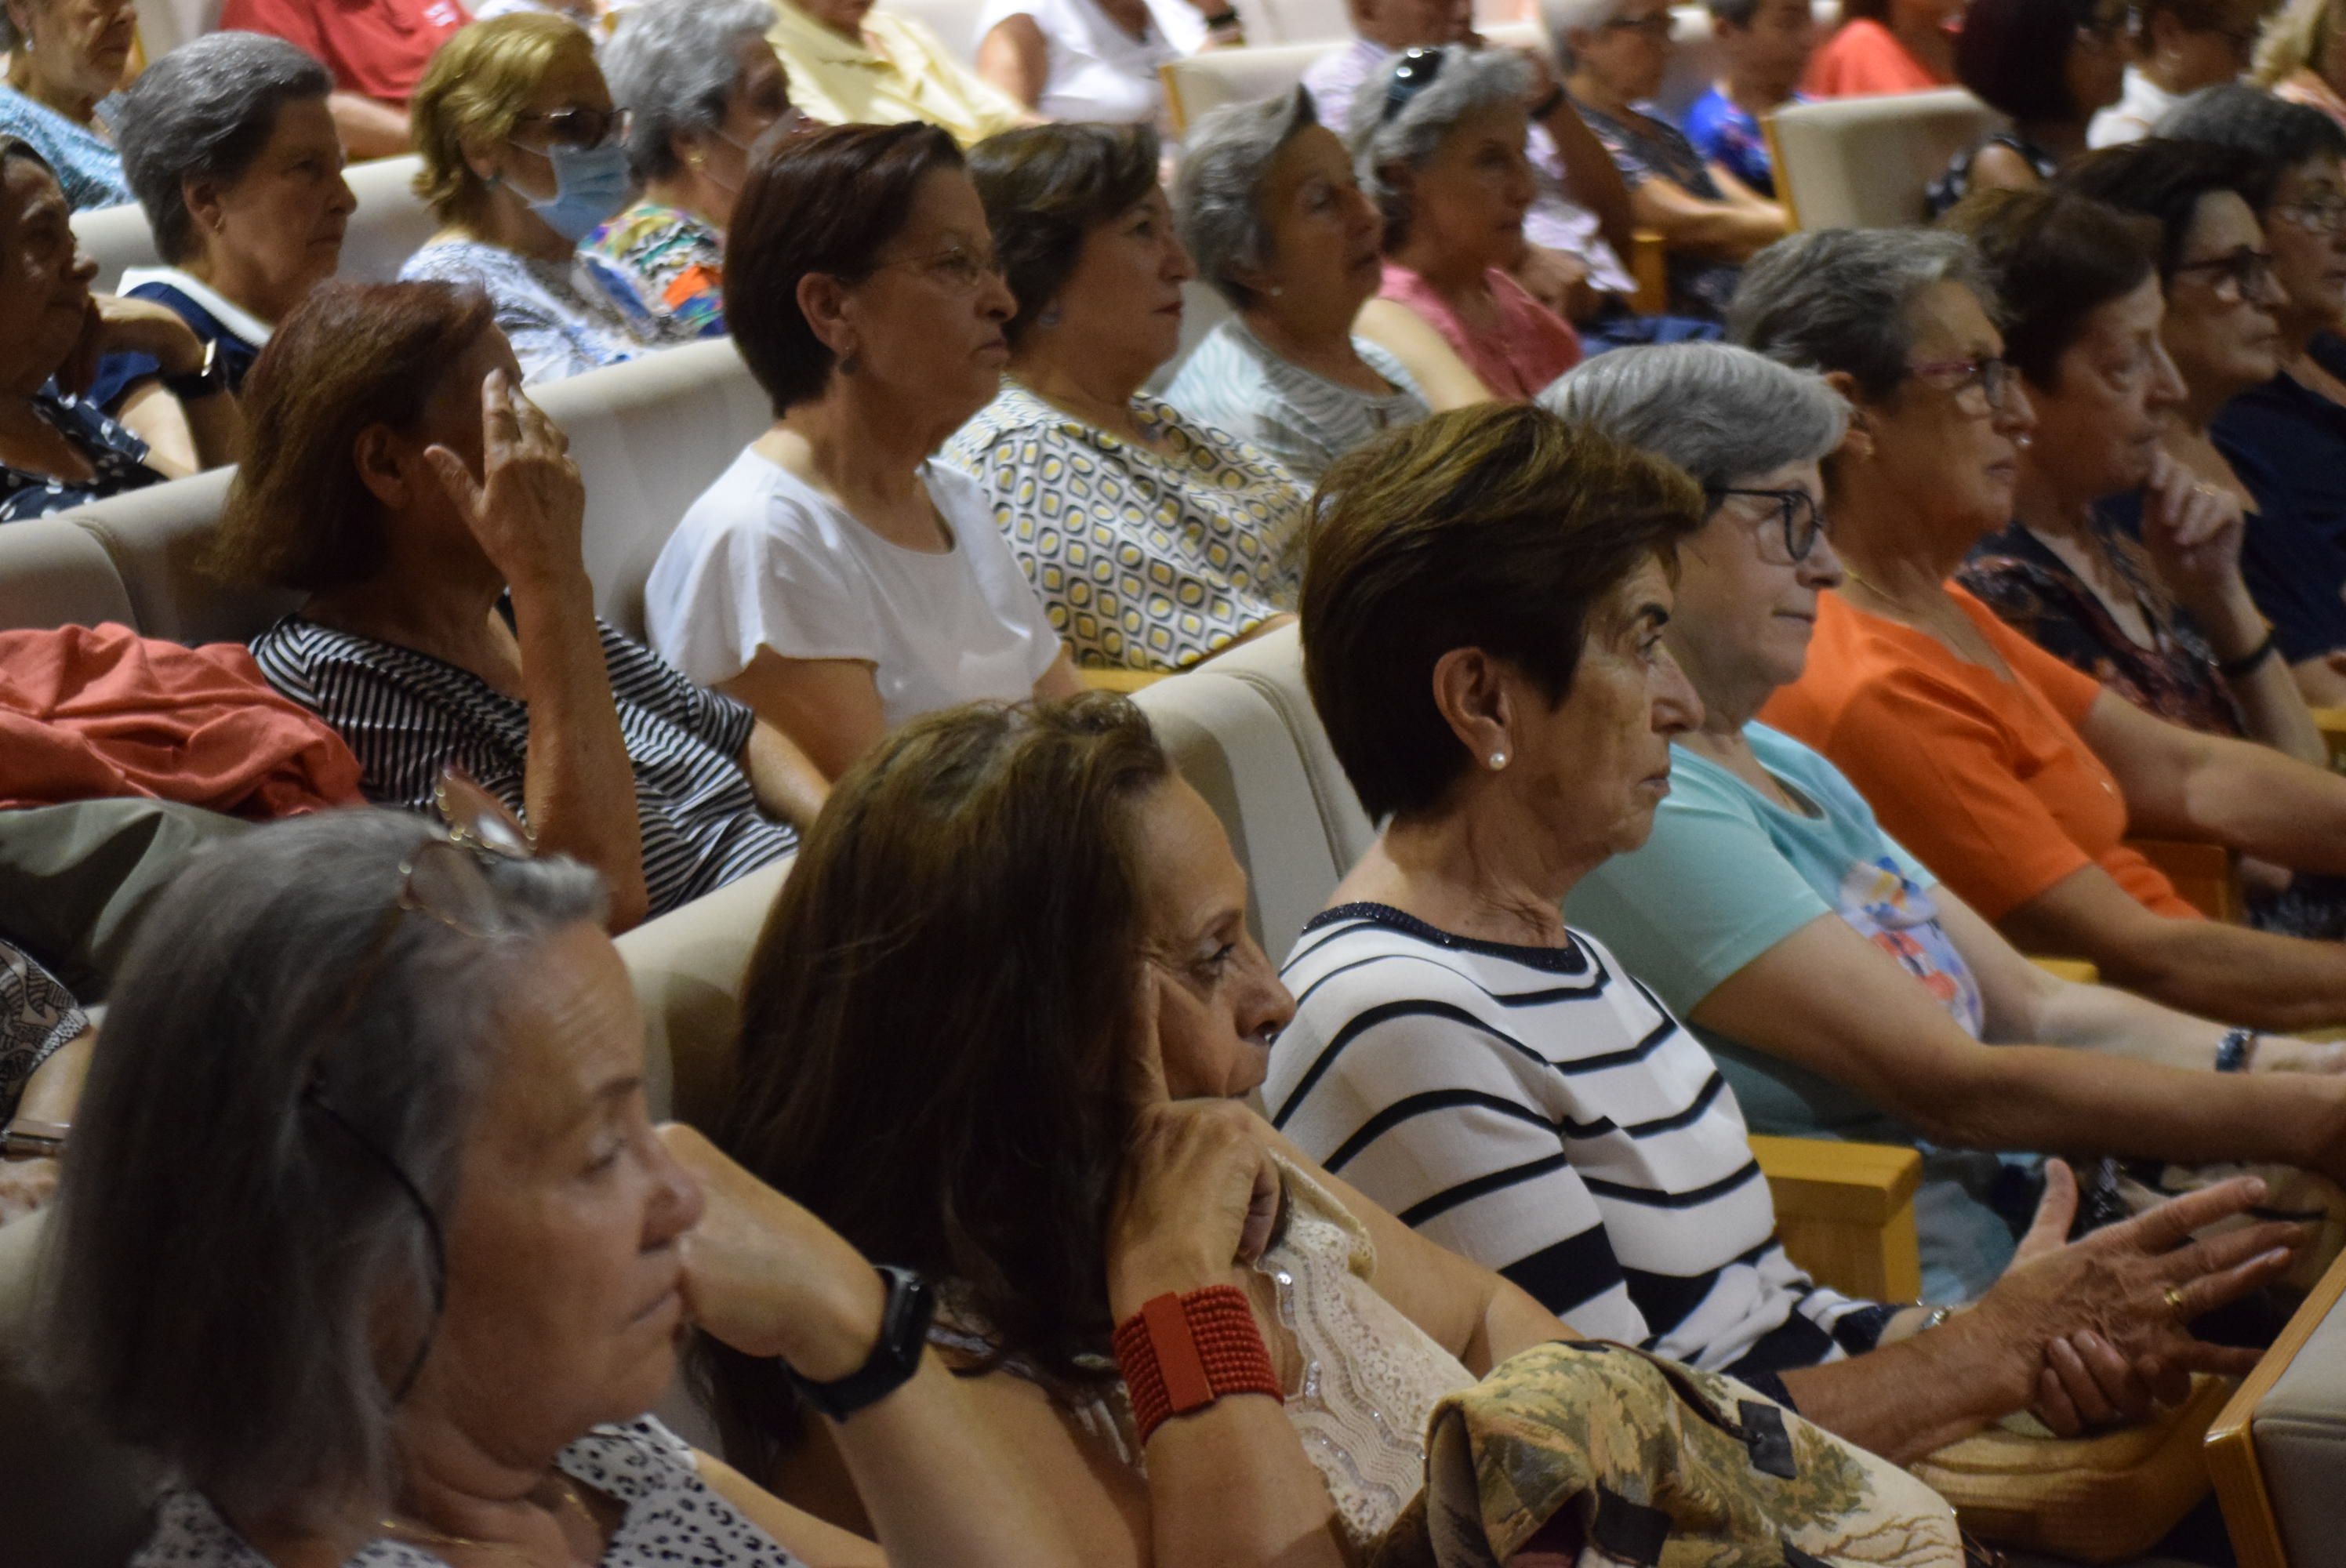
[1147, 557]
[674, 260]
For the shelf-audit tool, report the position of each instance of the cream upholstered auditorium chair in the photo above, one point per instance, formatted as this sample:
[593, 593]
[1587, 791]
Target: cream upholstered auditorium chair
[390, 224]
[1864, 163]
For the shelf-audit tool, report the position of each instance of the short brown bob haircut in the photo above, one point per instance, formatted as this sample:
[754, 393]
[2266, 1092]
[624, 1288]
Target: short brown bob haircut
[1045, 189]
[351, 355]
[817, 201]
[1499, 527]
[2056, 258]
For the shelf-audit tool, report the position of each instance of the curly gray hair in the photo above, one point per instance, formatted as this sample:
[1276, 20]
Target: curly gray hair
[1382, 134]
[1217, 194]
[205, 111]
[228, 1254]
[1841, 299]
[1721, 412]
[671, 65]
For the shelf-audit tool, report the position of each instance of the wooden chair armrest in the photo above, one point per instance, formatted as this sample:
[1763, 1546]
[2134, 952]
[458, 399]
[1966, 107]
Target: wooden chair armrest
[1783, 175]
[2331, 723]
[2076, 970]
[1119, 679]
[1845, 1212]
[2231, 1446]
[2206, 875]
[1175, 117]
[1650, 264]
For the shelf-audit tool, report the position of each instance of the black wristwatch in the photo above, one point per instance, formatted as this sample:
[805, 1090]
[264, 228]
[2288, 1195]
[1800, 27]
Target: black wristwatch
[895, 1355]
[206, 379]
[2232, 1050]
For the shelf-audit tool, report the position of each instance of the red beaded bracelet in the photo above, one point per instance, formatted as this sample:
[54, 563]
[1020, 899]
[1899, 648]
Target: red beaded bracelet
[1182, 1353]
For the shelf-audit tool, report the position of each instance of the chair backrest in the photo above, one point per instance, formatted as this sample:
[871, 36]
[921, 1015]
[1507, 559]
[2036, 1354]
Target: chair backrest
[1202, 310]
[649, 436]
[1199, 84]
[390, 224]
[54, 574]
[1862, 163]
[2273, 1450]
[165, 24]
[156, 537]
[1281, 21]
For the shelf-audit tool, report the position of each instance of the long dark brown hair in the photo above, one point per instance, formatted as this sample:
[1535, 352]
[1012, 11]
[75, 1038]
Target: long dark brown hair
[937, 1051]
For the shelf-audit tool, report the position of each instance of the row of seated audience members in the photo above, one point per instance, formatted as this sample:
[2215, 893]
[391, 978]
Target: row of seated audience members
[478, 1243]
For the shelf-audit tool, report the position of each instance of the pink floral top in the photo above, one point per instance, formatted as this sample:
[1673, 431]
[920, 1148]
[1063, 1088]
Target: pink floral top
[1530, 348]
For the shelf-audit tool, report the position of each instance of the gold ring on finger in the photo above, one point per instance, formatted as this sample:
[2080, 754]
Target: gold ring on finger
[2175, 1302]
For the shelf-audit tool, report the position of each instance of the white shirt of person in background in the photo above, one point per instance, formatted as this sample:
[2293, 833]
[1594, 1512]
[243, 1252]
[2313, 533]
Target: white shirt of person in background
[764, 559]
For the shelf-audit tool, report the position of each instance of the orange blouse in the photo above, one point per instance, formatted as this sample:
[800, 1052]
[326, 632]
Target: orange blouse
[1986, 781]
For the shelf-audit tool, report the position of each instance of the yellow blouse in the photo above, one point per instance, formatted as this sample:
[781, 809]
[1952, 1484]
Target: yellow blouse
[899, 71]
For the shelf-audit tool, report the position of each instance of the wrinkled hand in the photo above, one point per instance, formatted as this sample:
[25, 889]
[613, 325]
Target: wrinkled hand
[113, 324]
[1198, 1193]
[25, 1185]
[2095, 1312]
[767, 1277]
[2192, 532]
[528, 505]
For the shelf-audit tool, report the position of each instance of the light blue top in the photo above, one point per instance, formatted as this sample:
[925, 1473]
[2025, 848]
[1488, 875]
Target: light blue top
[88, 168]
[1236, 382]
[1729, 873]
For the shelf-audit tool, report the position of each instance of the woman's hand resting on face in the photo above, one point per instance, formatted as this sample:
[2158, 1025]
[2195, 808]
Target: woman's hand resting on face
[114, 324]
[2192, 532]
[767, 1277]
[2096, 1331]
[529, 506]
[1199, 1193]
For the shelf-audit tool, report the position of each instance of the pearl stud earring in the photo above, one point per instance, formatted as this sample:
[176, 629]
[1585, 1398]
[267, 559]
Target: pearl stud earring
[1498, 760]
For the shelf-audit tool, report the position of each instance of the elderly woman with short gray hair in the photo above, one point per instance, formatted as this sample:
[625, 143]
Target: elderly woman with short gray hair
[699, 84]
[235, 159]
[1268, 205]
[1437, 140]
[1845, 992]
[66, 60]
[366, 1232]
[2011, 775]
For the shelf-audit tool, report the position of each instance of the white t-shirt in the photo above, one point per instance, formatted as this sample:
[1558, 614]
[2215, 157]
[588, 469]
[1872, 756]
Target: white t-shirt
[762, 559]
[1093, 69]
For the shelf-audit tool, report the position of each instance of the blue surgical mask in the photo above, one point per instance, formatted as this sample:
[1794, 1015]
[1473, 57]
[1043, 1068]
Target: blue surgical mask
[590, 184]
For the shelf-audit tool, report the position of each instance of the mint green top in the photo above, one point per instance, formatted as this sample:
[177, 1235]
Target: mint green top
[1727, 875]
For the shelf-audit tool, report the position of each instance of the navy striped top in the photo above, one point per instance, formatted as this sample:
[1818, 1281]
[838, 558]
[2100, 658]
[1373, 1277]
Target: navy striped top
[1539, 1111]
[406, 715]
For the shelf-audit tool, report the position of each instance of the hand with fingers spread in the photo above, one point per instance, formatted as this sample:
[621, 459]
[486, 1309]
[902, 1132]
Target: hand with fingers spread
[1200, 1191]
[2109, 1316]
[528, 505]
[768, 1277]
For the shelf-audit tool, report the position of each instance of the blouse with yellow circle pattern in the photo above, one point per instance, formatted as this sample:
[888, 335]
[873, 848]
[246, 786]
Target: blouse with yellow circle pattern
[1147, 556]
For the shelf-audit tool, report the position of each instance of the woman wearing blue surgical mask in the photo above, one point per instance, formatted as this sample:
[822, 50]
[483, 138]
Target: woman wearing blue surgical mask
[524, 157]
[699, 84]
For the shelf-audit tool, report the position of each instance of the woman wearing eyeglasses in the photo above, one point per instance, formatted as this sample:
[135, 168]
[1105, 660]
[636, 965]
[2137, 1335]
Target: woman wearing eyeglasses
[367, 1234]
[837, 578]
[2118, 561]
[1845, 992]
[2013, 775]
[1616, 52]
[522, 159]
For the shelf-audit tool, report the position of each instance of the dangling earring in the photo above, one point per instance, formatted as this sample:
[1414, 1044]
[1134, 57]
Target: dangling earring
[1498, 760]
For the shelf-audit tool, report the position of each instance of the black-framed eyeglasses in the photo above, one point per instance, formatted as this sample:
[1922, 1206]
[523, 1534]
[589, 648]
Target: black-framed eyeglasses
[1412, 75]
[576, 125]
[2325, 216]
[444, 877]
[1989, 375]
[959, 266]
[2243, 272]
[1803, 519]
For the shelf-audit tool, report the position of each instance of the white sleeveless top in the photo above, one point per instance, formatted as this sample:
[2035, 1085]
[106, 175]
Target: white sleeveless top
[1362, 1380]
